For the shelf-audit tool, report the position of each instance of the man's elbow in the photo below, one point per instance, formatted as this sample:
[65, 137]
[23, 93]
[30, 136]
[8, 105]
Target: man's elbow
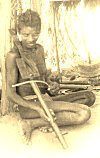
[10, 95]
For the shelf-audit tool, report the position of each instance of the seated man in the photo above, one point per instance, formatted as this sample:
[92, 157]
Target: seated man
[33, 116]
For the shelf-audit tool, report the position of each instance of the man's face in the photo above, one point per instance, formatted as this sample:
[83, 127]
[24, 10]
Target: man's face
[29, 36]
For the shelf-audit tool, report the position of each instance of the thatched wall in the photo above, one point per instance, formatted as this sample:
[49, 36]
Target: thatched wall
[77, 30]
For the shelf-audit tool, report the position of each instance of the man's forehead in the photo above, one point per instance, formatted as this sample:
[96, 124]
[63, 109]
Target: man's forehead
[28, 29]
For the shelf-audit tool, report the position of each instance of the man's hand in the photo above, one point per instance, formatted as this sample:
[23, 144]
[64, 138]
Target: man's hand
[54, 88]
[54, 77]
[42, 113]
[53, 80]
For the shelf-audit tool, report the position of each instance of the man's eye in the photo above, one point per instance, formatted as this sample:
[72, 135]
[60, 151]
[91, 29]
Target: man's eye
[35, 35]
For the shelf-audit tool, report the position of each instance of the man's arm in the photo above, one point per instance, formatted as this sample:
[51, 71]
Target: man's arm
[12, 78]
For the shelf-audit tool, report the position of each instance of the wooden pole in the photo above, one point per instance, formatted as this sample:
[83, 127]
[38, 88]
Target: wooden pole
[56, 46]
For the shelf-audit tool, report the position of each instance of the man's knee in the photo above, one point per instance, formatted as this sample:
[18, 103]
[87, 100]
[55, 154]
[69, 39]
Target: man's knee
[84, 116]
[90, 98]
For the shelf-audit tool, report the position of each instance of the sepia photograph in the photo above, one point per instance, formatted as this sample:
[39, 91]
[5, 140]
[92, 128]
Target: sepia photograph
[49, 78]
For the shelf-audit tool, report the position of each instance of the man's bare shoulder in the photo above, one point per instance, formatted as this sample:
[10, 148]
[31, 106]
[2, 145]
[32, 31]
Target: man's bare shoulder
[11, 56]
[11, 59]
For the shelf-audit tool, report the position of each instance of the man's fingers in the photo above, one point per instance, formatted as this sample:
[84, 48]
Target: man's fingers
[43, 115]
[53, 114]
[46, 118]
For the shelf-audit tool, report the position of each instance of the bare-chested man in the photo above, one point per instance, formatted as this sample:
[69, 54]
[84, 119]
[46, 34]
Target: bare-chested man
[28, 27]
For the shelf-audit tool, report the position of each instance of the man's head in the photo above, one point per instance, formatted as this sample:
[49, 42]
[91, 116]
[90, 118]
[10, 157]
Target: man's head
[29, 26]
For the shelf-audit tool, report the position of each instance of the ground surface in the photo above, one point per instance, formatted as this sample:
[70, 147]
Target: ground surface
[83, 141]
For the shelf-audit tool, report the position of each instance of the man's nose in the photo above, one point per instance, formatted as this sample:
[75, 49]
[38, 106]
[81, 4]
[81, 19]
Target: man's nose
[30, 38]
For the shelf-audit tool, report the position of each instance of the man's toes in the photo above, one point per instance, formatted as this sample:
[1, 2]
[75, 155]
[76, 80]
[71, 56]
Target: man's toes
[46, 129]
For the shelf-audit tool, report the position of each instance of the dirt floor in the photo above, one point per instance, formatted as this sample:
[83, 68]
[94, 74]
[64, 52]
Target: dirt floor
[83, 141]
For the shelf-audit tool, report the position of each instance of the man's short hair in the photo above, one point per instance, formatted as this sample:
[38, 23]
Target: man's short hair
[29, 18]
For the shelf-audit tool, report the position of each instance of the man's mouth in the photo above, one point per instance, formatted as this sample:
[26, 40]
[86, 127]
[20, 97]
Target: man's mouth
[30, 43]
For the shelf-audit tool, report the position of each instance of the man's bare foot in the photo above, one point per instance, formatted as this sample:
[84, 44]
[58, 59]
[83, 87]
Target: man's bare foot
[25, 130]
[46, 129]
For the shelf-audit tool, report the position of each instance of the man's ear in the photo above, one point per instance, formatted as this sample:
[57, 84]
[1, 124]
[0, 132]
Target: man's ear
[19, 36]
